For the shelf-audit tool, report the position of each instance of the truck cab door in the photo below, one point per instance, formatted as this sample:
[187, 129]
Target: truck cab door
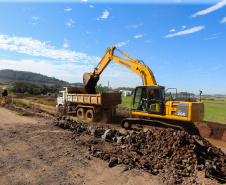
[60, 98]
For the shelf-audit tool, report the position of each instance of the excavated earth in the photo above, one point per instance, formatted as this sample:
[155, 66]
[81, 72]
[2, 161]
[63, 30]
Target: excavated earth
[176, 156]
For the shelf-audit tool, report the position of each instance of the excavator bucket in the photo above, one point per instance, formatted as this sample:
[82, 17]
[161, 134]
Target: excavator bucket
[90, 82]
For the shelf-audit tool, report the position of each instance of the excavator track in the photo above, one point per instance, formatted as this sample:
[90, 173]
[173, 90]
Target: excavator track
[177, 125]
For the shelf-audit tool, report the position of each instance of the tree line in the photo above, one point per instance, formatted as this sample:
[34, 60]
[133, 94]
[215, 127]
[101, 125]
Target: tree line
[32, 88]
[37, 89]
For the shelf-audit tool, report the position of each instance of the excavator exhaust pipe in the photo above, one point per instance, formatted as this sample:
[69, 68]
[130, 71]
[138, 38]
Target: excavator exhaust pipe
[90, 82]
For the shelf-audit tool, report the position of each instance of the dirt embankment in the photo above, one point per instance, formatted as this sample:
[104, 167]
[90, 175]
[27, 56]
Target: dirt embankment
[212, 130]
[33, 151]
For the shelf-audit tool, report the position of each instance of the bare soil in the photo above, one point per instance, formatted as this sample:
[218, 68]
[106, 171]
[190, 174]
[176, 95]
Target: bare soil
[33, 151]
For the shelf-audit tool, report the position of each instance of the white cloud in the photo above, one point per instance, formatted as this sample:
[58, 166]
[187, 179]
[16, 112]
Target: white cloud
[91, 6]
[104, 15]
[84, 0]
[183, 27]
[138, 36]
[122, 43]
[211, 9]
[217, 67]
[167, 62]
[37, 48]
[35, 18]
[194, 71]
[173, 30]
[135, 25]
[62, 64]
[147, 41]
[210, 38]
[70, 23]
[68, 9]
[189, 31]
[66, 43]
[223, 20]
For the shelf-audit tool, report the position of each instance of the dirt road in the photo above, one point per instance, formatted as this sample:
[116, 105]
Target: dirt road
[33, 151]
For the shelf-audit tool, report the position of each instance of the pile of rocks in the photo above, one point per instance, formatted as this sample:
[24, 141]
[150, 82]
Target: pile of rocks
[174, 154]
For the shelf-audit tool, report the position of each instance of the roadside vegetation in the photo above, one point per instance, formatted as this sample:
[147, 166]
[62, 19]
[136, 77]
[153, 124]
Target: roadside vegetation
[24, 113]
[21, 104]
[50, 100]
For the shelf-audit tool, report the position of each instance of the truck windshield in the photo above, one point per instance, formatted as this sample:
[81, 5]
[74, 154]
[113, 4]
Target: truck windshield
[60, 94]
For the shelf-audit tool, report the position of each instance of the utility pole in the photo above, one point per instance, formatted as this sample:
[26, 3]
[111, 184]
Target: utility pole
[200, 92]
[108, 85]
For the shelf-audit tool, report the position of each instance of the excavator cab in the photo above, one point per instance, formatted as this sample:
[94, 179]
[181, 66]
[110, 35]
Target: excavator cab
[149, 99]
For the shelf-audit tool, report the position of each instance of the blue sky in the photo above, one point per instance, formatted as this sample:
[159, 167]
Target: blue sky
[182, 42]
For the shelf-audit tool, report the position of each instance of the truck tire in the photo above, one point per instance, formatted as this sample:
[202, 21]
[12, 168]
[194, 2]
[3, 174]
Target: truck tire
[90, 115]
[61, 110]
[81, 113]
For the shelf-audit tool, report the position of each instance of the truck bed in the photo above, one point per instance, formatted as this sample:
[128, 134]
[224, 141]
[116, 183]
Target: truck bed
[102, 99]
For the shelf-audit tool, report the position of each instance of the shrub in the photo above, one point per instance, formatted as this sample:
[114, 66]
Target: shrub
[24, 113]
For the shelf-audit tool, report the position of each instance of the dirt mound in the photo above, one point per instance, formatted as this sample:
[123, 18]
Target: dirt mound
[175, 155]
[212, 130]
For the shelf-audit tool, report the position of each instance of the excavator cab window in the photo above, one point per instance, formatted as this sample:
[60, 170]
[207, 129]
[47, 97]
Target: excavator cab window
[139, 96]
[149, 99]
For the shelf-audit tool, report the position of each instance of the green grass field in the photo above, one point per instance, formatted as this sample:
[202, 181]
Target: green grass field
[126, 102]
[215, 108]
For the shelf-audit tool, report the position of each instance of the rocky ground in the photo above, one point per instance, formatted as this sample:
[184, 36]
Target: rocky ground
[63, 151]
[176, 157]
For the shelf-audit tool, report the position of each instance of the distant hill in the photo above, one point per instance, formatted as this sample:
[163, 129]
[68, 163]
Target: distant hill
[11, 75]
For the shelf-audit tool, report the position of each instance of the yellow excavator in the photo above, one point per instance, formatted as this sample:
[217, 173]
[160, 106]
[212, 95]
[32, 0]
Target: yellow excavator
[149, 98]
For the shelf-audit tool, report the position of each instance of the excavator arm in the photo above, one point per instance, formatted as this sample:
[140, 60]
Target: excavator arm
[90, 79]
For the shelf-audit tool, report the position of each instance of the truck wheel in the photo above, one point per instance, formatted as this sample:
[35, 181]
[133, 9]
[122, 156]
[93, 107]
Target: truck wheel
[81, 113]
[90, 115]
[61, 110]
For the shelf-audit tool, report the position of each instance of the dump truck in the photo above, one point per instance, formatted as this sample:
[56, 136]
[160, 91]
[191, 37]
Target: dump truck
[90, 107]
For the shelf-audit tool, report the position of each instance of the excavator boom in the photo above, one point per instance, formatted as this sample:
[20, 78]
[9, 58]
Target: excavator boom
[90, 79]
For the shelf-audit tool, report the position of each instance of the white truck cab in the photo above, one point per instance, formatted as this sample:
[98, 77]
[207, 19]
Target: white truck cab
[60, 98]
